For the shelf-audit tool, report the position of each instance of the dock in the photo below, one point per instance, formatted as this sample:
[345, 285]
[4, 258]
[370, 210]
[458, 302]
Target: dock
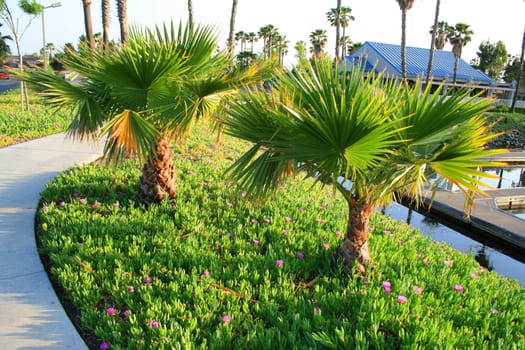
[486, 218]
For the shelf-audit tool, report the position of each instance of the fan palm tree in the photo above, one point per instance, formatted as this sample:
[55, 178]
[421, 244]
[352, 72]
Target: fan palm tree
[88, 23]
[405, 5]
[145, 95]
[373, 140]
[458, 36]
[343, 16]
[441, 34]
[122, 11]
[268, 33]
[433, 40]
[318, 39]
[5, 50]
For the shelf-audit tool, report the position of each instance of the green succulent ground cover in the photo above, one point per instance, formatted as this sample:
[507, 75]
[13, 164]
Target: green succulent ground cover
[214, 271]
[38, 121]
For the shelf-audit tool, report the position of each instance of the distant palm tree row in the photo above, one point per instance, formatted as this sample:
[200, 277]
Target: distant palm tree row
[122, 12]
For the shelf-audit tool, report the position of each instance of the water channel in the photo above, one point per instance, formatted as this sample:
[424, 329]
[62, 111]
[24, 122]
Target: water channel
[500, 259]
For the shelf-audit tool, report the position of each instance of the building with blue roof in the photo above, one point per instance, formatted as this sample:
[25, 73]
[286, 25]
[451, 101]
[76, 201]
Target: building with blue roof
[380, 57]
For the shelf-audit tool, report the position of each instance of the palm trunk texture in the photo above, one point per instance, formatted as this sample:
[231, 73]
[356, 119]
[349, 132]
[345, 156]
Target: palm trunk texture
[158, 176]
[354, 250]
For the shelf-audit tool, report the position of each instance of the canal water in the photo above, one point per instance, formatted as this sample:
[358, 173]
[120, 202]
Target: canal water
[486, 253]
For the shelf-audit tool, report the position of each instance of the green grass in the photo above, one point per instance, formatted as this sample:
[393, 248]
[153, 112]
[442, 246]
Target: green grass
[17, 126]
[507, 121]
[204, 272]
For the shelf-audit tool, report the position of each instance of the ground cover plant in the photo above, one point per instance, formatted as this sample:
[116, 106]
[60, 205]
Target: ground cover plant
[212, 270]
[38, 121]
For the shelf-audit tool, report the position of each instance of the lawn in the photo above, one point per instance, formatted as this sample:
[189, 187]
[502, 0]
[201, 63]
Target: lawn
[213, 270]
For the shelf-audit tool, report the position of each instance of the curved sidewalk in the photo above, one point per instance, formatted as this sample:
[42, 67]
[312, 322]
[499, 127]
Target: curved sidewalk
[31, 316]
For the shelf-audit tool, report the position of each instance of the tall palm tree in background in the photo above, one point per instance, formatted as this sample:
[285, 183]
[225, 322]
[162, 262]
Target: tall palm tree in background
[318, 39]
[252, 38]
[433, 41]
[441, 34]
[231, 36]
[145, 95]
[377, 141]
[520, 74]
[458, 36]
[190, 12]
[268, 33]
[405, 5]
[88, 23]
[106, 14]
[122, 11]
[343, 16]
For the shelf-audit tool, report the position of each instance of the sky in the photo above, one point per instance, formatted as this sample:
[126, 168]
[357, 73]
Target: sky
[375, 20]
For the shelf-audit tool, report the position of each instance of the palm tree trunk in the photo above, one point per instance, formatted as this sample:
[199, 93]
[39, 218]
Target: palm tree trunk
[231, 36]
[354, 249]
[158, 175]
[190, 13]
[403, 45]
[88, 24]
[106, 11]
[432, 41]
[122, 9]
[337, 30]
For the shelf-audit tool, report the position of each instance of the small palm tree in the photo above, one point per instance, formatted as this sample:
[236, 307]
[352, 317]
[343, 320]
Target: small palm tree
[458, 36]
[372, 140]
[404, 5]
[145, 95]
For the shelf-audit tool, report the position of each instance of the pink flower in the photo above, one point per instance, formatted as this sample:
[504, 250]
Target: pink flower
[494, 311]
[402, 299]
[226, 319]
[326, 245]
[45, 208]
[386, 232]
[284, 231]
[104, 345]
[279, 262]
[243, 195]
[420, 256]
[448, 262]
[126, 313]
[426, 262]
[386, 284]
[148, 279]
[338, 234]
[473, 276]
[387, 290]
[206, 273]
[300, 255]
[229, 204]
[417, 289]
[317, 310]
[256, 242]
[82, 200]
[131, 289]
[459, 287]
[111, 311]
[366, 282]
[152, 323]
[301, 210]
[287, 219]
[323, 207]
[266, 220]
[319, 221]
[61, 203]
[96, 205]
[254, 221]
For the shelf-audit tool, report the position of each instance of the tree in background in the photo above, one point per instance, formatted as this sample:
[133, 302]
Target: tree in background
[231, 36]
[441, 34]
[404, 5]
[343, 16]
[122, 11]
[318, 39]
[520, 74]
[301, 54]
[33, 9]
[458, 36]
[190, 12]
[378, 141]
[492, 58]
[433, 31]
[5, 50]
[145, 95]
[268, 33]
[88, 23]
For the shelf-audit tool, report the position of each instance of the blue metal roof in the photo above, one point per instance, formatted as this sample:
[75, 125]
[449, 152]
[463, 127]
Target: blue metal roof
[417, 62]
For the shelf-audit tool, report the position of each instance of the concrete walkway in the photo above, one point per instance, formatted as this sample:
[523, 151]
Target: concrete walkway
[31, 316]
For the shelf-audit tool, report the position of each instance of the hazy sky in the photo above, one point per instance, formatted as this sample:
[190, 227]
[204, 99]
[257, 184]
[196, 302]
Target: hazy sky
[375, 20]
